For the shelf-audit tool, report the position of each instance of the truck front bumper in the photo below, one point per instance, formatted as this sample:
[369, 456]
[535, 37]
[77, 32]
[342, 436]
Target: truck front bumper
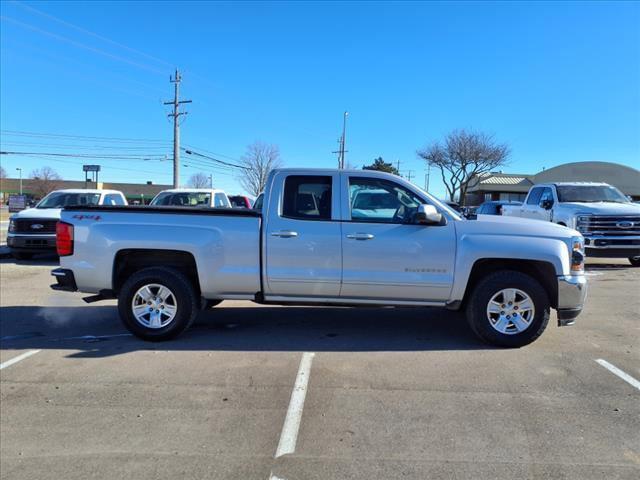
[612, 247]
[572, 292]
[31, 243]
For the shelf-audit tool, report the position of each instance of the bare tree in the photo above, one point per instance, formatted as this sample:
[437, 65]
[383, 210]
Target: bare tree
[463, 155]
[199, 180]
[46, 179]
[3, 172]
[259, 160]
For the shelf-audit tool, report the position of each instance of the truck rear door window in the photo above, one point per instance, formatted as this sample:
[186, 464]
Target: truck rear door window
[307, 197]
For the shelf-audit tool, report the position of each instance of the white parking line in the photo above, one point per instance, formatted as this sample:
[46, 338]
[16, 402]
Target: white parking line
[616, 371]
[20, 357]
[289, 435]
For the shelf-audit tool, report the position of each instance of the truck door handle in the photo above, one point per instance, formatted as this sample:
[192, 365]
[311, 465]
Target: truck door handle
[360, 236]
[284, 234]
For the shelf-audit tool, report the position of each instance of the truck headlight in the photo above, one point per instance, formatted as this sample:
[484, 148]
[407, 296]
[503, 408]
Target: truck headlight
[577, 255]
[581, 222]
[12, 225]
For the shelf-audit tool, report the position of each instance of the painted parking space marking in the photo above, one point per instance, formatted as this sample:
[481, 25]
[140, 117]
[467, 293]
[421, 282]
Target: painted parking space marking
[17, 359]
[616, 371]
[289, 435]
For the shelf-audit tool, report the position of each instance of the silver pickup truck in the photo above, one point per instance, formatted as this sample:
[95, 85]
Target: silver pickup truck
[324, 237]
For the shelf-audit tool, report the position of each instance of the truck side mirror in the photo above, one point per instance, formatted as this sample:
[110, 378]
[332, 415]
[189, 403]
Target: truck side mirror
[547, 204]
[427, 214]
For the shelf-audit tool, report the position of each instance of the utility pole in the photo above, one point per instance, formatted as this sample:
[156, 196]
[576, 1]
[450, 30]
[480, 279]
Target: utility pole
[176, 126]
[342, 142]
[211, 182]
[409, 175]
[20, 170]
[344, 139]
[427, 177]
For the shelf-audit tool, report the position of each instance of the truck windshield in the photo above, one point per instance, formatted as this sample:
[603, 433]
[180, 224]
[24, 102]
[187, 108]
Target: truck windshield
[590, 194]
[183, 199]
[66, 199]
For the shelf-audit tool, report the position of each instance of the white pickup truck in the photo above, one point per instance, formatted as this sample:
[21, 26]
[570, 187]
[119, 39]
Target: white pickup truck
[33, 231]
[607, 219]
[324, 237]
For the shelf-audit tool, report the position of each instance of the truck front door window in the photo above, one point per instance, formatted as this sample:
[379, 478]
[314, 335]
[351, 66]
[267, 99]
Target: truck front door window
[381, 201]
[534, 196]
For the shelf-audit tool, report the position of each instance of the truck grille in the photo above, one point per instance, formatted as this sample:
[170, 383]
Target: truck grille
[609, 225]
[35, 226]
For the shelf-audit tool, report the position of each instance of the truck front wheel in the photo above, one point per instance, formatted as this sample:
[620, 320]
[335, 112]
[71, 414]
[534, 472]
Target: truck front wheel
[634, 261]
[157, 303]
[508, 309]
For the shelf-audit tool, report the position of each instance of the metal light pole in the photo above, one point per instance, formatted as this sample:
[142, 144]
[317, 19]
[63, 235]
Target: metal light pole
[20, 170]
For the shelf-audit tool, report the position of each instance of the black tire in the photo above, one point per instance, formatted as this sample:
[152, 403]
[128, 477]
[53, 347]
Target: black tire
[22, 255]
[209, 304]
[485, 290]
[635, 261]
[187, 302]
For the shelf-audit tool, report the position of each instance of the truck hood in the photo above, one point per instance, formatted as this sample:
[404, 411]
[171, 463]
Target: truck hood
[499, 225]
[603, 208]
[52, 213]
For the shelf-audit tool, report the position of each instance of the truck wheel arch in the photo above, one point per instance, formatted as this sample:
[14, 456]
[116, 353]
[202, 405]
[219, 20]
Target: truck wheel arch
[129, 261]
[542, 271]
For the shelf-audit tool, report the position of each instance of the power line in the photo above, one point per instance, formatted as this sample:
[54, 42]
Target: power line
[88, 155]
[21, 133]
[80, 44]
[82, 147]
[89, 32]
[190, 146]
[112, 168]
[191, 152]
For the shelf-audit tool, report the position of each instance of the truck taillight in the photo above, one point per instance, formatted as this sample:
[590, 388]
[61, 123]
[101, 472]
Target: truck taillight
[64, 239]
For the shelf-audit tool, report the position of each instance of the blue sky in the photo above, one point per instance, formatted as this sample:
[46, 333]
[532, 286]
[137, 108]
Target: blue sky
[558, 82]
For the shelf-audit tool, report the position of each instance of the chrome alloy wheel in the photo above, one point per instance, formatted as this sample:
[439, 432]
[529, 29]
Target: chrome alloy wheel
[510, 311]
[154, 306]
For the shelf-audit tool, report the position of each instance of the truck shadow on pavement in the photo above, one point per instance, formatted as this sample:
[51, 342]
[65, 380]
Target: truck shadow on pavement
[97, 332]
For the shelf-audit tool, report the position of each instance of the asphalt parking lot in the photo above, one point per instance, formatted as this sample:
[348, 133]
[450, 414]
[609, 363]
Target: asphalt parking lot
[390, 393]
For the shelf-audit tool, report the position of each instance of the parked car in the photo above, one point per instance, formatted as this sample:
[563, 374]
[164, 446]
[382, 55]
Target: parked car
[309, 245]
[240, 201]
[494, 207]
[192, 197]
[609, 221]
[33, 230]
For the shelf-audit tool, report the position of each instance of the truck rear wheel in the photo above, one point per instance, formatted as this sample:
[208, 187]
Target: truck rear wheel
[634, 261]
[157, 303]
[508, 309]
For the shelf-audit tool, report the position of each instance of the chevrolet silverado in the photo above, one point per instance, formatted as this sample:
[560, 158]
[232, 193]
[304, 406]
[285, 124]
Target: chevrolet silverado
[324, 237]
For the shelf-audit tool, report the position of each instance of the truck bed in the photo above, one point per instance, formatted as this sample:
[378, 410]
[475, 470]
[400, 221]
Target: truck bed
[223, 243]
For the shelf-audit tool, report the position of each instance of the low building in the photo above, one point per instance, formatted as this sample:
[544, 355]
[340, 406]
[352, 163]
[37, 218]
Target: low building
[501, 186]
[134, 192]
